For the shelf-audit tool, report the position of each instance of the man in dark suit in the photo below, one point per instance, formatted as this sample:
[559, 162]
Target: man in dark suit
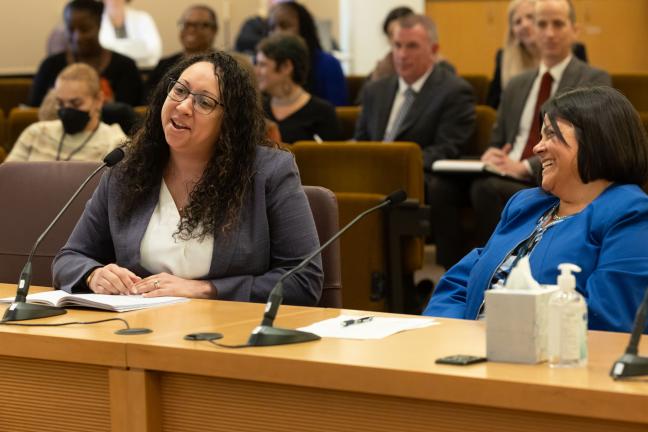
[423, 103]
[516, 131]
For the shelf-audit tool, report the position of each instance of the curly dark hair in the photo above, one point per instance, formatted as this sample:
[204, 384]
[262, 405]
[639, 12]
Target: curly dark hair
[215, 202]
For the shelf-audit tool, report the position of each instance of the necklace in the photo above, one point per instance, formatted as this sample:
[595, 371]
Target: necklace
[555, 217]
[288, 101]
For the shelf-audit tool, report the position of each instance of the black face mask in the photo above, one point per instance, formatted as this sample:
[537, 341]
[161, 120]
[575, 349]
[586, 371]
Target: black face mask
[74, 120]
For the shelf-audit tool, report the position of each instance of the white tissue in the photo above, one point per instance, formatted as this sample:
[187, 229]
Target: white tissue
[521, 277]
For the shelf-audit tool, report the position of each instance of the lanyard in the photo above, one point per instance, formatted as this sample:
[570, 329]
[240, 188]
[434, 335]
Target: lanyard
[76, 150]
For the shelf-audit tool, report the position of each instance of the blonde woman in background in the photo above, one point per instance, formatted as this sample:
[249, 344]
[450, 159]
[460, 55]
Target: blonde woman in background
[520, 53]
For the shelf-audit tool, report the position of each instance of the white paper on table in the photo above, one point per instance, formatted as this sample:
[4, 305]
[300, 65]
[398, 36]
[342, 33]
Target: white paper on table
[377, 328]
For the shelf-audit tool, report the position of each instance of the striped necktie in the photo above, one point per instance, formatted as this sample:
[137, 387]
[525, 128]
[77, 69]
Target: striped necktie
[410, 95]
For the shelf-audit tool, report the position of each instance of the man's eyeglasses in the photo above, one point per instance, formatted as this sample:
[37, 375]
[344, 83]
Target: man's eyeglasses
[196, 25]
[201, 102]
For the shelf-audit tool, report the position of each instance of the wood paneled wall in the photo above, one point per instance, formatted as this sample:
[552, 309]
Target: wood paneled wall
[614, 32]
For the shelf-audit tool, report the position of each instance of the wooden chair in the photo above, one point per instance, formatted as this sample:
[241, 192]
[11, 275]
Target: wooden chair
[3, 129]
[19, 119]
[361, 174]
[354, 84]
[485, 120]
[634, 87]
[347, 117]
[32, 193]
[479, 84]
[13, 92]
[324, 206]
[644, 119]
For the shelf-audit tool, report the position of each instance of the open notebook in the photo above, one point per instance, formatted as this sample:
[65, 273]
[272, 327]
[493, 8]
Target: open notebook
[115, 303]
[467, 166]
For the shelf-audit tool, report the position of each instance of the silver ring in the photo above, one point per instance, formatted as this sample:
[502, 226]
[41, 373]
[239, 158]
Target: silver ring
[156, 284]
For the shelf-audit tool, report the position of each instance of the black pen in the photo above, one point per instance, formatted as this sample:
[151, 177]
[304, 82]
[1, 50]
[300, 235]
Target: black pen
[347, 323]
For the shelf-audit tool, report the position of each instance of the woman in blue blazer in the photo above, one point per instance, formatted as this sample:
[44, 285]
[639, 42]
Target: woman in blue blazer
[202, 206]
[590, 211]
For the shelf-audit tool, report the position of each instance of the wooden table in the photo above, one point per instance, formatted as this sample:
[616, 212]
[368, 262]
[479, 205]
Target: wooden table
[85, 378]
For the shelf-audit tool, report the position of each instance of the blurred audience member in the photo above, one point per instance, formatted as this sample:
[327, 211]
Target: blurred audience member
[281, 69]
[423, 103]
[78, 134]
[385, 66]
[120, 79]
[198, 27]
[520, 52]
[325, 77]
[130, 32]
[253, 30]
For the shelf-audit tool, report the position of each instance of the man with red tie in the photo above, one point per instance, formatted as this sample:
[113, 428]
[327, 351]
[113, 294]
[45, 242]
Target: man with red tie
[516, 131]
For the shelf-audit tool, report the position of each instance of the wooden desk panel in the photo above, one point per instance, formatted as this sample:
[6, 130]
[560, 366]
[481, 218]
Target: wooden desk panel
[45, 396]
[401, 368]
[161, 382]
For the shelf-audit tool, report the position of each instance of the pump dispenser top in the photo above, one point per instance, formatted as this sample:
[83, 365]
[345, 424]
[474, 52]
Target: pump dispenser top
[566, 278]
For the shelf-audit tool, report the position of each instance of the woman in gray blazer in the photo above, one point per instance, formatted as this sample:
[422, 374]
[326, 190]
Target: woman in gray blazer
[202, 206]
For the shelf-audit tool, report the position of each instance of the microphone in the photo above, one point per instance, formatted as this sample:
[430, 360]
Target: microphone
[267, 335]
[631, 364]
[20, 310]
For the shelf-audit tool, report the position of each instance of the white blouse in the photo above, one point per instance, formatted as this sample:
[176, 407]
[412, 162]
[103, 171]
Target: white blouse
[161, 252]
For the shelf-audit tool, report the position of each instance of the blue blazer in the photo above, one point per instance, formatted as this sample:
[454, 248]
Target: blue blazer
[275, 232]
[608, 239]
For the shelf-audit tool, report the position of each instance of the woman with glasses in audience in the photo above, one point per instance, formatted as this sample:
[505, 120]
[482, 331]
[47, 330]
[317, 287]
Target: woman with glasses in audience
[76, 132]
[281, 70]
[202, 205]
[590, 210]
[325, 77]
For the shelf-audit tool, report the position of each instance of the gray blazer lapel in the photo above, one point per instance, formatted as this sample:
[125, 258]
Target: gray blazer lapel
[133, 231]
[571, 76]
[514, 113]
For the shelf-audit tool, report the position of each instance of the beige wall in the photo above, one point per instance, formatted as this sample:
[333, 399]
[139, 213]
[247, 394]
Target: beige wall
[24, 30]
[614, 32]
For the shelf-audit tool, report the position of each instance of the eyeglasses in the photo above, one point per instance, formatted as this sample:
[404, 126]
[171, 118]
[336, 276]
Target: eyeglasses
[201, 102]
[196, 25]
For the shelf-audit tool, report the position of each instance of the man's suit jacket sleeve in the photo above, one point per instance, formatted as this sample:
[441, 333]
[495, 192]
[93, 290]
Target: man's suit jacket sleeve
[455, 127]
[362, 124]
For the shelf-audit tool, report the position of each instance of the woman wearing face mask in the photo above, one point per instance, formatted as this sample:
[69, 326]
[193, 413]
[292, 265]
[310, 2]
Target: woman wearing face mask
[78, 134]
[202, 206]
[590, 210]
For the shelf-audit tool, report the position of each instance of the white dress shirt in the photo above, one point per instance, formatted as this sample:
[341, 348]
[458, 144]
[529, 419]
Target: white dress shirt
[526, 120]
[161, 252]
[400, 96]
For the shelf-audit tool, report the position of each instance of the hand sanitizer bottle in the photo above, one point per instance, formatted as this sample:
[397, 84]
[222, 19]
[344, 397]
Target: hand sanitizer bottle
[567, 337]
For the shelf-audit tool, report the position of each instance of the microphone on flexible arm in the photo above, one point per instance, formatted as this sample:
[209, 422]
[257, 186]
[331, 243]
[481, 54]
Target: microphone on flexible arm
[631, 364]
[20, 310]
[267, 335]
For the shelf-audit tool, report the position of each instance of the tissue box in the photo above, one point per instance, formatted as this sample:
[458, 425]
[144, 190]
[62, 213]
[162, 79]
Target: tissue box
[517, 324]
